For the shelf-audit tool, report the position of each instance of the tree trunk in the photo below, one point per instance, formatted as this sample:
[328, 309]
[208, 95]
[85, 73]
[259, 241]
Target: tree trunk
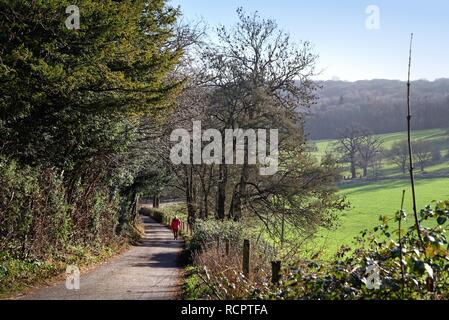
[235, 211]
[206, 210]
[190, 197]
[156, 201]
[353, 169]
[221, 199]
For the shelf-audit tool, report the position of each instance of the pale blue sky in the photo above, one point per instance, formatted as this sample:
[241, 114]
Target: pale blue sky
[347, 49]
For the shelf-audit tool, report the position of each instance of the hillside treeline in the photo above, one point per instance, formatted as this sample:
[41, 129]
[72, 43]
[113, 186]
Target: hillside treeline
[377, 105]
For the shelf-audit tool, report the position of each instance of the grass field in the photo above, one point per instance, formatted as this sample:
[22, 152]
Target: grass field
[371, 199]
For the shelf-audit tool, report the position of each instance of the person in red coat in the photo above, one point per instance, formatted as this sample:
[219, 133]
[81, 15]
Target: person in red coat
[175, 223]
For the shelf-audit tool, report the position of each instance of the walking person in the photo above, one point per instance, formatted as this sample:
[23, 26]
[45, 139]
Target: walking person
[175, 223]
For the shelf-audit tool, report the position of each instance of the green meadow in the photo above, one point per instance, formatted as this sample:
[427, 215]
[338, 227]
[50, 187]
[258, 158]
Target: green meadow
[371, 199]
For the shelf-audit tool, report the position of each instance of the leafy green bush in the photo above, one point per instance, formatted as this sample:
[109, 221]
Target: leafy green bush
[16, 272]
[209, 231]
[37, 221]
[33, 212]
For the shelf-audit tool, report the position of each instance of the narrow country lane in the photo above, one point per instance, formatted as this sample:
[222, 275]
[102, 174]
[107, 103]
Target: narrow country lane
[147, 271]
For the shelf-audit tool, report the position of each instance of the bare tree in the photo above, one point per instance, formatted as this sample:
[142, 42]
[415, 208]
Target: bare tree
[369, 149]
[376, 163]
[422, 153]
[254, 77]
[348, 146]
[258, 79]
[398, 154]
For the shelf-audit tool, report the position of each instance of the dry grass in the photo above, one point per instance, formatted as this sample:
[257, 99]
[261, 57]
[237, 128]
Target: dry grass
[221, 275]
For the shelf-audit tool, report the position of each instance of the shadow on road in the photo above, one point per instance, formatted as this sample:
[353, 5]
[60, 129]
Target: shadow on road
[160, 260]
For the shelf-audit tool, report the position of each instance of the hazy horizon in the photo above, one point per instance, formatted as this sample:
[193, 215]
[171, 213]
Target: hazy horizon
[380, 79]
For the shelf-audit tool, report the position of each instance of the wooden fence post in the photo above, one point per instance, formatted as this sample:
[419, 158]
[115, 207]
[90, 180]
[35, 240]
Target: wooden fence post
[246, 255]
[227, 247]
[275, 271]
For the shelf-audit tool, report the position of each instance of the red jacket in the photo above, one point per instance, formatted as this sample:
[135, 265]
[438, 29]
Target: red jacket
[175, 223]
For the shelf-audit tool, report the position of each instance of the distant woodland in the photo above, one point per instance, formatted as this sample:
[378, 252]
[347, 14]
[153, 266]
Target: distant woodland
[377, 105]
